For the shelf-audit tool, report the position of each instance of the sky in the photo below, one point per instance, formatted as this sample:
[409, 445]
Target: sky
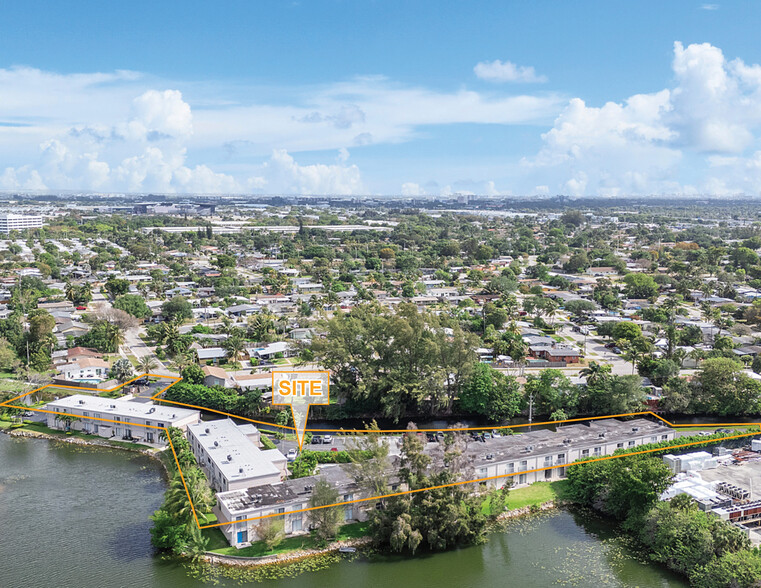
[386, 97]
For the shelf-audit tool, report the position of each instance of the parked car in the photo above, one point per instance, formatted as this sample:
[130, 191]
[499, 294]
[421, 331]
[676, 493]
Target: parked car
[291, 455]
[334, 448]
[81, 308]
[316, 439]
[327, 439]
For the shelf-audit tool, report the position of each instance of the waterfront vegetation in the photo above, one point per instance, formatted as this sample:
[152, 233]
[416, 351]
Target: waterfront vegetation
[677, 533]
[175, 528]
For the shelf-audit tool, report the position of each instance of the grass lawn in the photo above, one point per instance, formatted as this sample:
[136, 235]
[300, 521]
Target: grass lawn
[218, 543]
[536, 494]
[749, 428]
[40, 428]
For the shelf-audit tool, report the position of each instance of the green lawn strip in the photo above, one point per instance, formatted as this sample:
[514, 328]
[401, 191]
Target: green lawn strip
[40, 428]
[749, 428]
[536, 494]
[218, 543]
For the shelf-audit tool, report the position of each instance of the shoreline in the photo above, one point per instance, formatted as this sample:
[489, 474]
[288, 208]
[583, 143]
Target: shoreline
[217, 559]
[73, 440]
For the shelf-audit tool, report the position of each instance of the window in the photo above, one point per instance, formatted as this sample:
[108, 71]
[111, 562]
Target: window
[561, 457]
[510, 468]
[664, 437]
[296, 524]
[653, 439]
[619, 445]
[348, 513]
[631, 443]
[547, 460]
[524, 465]
[598, 450]
[280, 511]
[522, 479]
[547, 474]
[585, 453]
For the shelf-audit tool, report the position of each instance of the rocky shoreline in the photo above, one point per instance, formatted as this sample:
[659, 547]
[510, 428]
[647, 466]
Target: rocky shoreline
[281, 558]
[88, 442]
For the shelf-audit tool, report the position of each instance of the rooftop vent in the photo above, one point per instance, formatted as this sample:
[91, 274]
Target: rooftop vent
[207, 430]
[489, 456]
[635, 429]
[240, 470]
[600, 435]
[229, 458]
[567, 441]
[152, 410]
[216, 443]
[112, 406]
[529, 448]
[81, 402]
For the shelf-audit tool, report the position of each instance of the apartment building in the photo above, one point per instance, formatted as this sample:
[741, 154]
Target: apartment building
[125, 418]
[518, 456]
[286, 498]
[19, 222]
[230, 456]
[511, 457]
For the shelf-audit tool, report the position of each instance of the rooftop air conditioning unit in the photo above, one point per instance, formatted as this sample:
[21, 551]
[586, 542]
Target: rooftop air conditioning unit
[81, 402]
[600, 435]
[635, 429]
[529, 448]
[567, 441]
[489, 456]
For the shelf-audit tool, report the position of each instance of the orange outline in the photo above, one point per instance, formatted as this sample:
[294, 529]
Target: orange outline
[299, 438]
[358, 500]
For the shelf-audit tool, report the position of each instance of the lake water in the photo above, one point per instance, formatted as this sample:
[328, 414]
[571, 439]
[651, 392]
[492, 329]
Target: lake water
[78, 517]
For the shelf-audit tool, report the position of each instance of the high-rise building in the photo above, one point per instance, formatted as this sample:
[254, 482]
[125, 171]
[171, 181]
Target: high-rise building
[19, 222]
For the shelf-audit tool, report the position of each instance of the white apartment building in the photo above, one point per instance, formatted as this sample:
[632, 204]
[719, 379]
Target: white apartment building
[511, 457]
[230, 456]
[19, 222]
[118, 418]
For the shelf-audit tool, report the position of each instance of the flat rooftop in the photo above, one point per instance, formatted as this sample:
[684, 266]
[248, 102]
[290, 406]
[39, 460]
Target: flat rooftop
[234, 454]
[125, 408]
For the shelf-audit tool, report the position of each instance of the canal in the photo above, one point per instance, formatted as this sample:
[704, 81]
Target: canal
[77, 517]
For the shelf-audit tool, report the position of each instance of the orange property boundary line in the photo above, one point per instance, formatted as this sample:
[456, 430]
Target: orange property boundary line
[155, 397]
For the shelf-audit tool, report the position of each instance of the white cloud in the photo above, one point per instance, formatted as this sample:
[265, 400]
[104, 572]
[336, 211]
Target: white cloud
[412, 189]
[281, 174]
[507, 71]
[643, 145]
[709, 7]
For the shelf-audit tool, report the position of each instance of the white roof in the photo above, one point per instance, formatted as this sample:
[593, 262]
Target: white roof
[124, 408]
[223, 439]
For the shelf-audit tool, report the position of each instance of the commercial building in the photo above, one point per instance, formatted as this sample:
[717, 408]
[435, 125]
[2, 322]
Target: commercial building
[230, 456]
[125, 418]
[19, 222]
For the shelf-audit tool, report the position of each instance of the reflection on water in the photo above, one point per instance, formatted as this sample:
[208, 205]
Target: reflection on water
[78, 517]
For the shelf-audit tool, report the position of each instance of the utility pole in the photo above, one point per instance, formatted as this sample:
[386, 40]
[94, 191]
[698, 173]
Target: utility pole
[530, 410]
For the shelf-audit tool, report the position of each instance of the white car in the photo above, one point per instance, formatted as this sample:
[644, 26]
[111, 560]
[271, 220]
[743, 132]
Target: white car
[327, 439]
[291, 455]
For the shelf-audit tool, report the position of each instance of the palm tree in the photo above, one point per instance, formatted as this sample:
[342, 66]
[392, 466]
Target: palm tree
[632, 354]
[69, 291]
[201, 496]
[595, 372]
[147, 364]
[234, 345]
[114, 336]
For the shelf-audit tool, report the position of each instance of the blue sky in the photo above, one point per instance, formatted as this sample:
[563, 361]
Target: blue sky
[386, 97]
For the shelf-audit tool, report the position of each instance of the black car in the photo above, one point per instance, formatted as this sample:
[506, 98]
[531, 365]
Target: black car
[316, 440]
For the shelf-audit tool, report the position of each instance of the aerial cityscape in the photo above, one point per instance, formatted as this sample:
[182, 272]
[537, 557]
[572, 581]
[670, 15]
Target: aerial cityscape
[360, 294]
